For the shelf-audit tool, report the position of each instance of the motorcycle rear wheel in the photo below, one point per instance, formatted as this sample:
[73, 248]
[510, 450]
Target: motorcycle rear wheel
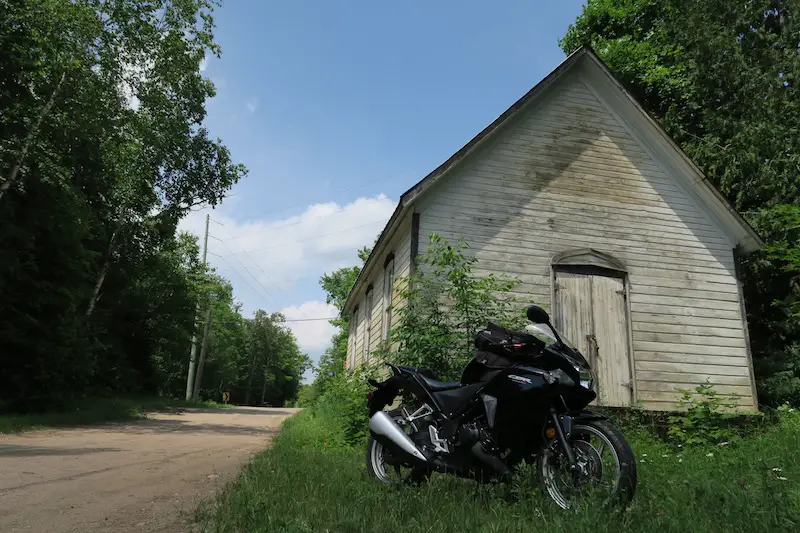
[385, 468]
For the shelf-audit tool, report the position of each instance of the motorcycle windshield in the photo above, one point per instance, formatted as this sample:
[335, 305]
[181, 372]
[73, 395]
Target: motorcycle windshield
[544, 333]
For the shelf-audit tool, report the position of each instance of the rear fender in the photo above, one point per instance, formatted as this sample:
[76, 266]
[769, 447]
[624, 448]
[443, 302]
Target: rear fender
[385, 392]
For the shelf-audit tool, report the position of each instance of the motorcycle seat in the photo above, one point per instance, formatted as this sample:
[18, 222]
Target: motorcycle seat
[434, 385]
[429, 380]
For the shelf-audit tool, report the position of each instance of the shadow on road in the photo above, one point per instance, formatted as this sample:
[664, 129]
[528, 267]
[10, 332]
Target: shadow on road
[269, 411]
[182, 426]
[16, 450]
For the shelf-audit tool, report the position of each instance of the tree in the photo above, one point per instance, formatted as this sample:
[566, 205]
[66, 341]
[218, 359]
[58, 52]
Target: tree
[337, 286]
[276, 363]
[721, 78]
[446, 304]
[102, 150]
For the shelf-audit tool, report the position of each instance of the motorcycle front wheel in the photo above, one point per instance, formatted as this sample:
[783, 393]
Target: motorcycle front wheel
[606, 467]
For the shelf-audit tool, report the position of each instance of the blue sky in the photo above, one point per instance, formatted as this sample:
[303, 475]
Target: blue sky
[336, 108]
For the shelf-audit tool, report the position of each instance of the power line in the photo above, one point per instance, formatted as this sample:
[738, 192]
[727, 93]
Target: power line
[277, 285]
[254, 290]
[322, 254]
[309, 319]
[251, 275]
[240, 275]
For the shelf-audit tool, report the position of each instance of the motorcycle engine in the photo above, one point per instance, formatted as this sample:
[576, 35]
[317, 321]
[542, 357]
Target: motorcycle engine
[472, 432]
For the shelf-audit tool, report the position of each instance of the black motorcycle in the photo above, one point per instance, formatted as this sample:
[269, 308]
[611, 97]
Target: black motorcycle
[522, 399]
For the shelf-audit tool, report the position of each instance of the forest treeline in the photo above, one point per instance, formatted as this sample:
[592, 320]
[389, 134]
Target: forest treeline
[102, 152]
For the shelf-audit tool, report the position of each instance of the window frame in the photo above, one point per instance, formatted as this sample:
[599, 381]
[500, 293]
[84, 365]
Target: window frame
[368, 303]
[388, 296]
[354, 336]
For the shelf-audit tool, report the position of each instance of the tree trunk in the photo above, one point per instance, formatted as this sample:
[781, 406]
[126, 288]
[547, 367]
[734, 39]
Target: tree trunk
[102, 275]
[203, 349]
[264, 389]
[97, 285]
[12, 176]
[250, 379]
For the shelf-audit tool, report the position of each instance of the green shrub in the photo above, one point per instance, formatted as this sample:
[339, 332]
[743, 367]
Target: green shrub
[703, 422]
[306, 396]
[446, 303]
[344, 403]
[779, 377]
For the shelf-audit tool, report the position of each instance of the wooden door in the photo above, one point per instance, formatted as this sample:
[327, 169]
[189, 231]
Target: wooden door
[590, 310]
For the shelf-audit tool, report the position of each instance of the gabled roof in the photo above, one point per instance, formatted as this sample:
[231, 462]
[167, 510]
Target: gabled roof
[745, 237]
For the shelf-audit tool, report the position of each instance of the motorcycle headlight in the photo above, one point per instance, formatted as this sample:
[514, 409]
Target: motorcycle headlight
[586, 378]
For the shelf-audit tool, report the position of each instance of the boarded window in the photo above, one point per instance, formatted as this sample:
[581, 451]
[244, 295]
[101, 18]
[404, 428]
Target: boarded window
[388, 292]
[368, 319]
[353, 339]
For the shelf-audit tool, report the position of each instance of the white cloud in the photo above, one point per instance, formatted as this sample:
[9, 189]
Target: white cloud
[252, 105]
[313, 336]
[269, 260]
[203, 64]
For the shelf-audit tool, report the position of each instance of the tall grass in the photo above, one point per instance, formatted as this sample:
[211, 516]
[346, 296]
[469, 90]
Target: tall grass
[310, 481]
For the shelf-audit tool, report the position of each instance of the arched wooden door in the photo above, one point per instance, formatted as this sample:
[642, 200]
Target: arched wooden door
[591, 309]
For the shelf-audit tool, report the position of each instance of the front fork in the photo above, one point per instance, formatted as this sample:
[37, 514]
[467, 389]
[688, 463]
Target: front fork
[563, 427]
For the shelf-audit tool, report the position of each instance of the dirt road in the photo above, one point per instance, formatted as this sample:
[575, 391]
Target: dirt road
[139, 477]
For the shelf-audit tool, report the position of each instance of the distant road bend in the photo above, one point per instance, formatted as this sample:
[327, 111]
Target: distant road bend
[146, 476]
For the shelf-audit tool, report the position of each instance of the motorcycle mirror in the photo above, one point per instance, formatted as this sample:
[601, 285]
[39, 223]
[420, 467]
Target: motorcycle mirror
[537, 315]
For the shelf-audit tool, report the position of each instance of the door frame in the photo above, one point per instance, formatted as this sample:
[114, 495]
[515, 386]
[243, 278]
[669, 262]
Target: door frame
[593, 262]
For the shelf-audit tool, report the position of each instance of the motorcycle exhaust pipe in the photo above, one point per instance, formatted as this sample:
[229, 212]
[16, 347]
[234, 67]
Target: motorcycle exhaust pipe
[383, 425]
[490, 460]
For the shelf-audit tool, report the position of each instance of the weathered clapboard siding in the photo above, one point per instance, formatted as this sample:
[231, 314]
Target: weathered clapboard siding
[369, 324]
[402, 271]
[375, 327]
[359, 341]
[599, 212]
[400, 246]
[567, 175]
[499, 245]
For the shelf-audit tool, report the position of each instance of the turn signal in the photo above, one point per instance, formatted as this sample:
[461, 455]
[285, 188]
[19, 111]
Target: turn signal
[550, 432]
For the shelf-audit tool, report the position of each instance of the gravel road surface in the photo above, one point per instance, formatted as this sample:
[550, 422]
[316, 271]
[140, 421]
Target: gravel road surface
[146, 476]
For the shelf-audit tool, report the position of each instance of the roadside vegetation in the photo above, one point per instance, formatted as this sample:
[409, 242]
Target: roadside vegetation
[313, 480]
[99, 411]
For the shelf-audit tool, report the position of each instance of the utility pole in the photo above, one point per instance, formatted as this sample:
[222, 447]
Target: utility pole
[193, 353]
[203, 349]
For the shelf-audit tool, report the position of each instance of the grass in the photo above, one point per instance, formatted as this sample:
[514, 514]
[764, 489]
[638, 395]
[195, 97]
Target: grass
[95, 411]
[309, 481]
